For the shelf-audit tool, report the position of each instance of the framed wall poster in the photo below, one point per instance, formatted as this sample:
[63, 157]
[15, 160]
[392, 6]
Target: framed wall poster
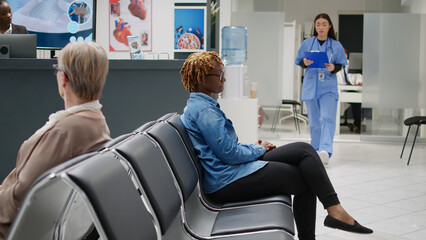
[190, 1]
[130, 18]
[190, 28]
[56, 23]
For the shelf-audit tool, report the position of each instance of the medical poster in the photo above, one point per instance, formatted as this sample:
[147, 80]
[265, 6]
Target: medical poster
[190, 1]
[130, 18]
[190, 26]
[56, 23]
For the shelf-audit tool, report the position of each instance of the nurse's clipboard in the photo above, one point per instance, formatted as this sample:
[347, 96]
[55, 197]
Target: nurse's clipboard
[319, 58]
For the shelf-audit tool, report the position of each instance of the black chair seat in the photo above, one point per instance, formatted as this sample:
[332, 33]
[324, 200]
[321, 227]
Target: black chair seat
[415, 120]
[267, 235]
[257, 218]
[286, 199]
[293, 102]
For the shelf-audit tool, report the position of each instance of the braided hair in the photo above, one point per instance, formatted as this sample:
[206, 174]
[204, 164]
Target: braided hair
[196, 67]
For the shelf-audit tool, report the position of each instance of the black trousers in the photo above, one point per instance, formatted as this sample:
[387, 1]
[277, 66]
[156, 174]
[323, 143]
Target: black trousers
[294, 169]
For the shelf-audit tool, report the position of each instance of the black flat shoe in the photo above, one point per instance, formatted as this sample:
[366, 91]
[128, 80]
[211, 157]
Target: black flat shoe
[331, 222]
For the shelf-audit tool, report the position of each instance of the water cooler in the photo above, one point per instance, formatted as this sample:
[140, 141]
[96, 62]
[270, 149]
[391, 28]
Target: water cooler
[234, 53]
[242, 111]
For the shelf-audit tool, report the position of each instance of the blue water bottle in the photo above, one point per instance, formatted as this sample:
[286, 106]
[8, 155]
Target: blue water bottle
[234, 45]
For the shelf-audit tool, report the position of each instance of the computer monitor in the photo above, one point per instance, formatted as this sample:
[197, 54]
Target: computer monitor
[19, 45]
[355, 62]
[57, 22]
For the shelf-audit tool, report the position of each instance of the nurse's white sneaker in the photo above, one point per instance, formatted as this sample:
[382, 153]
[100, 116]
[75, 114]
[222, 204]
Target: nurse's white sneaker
[324, 157]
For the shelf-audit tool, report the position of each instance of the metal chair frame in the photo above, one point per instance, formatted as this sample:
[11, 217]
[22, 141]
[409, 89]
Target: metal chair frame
[410, 122]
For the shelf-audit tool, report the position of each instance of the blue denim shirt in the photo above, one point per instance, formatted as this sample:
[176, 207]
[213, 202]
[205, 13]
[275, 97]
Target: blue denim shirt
[216, 143]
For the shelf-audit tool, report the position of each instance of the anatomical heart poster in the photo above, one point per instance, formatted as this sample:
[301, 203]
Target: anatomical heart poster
[130, 18]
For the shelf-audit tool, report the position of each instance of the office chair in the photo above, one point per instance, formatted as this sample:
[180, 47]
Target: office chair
[417, 120]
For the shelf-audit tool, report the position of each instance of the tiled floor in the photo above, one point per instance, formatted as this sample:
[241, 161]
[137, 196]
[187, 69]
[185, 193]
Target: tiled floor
[374, 185]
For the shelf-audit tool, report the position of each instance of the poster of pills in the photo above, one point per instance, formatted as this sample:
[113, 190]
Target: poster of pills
[190, 26]
[130, 18]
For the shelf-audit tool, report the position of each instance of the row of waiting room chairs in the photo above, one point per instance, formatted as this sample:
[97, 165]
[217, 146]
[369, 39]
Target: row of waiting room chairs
[143, 185]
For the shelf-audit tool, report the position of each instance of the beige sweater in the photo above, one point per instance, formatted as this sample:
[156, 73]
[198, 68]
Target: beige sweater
[69, 137]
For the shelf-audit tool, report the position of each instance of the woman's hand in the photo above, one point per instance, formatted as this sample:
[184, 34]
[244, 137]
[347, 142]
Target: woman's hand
[329, 66]
[307, 62]
[267, 145]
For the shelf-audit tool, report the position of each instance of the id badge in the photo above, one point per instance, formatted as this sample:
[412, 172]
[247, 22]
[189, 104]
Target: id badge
[321, 75]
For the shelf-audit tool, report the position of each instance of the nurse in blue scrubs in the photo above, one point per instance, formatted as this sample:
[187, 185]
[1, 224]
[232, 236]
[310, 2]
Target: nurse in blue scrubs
[320, 84]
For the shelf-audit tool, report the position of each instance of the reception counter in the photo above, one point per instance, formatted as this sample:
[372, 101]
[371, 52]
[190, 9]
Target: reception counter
[136, 91]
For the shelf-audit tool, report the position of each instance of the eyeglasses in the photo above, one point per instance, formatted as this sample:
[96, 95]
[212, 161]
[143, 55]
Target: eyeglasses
[220, 75]
[56, 69]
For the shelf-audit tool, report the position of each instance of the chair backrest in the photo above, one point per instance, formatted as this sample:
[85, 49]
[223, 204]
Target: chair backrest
[151, 123]
[177, 156]
[114, 141]
[113, 197]
[166, 117]
[180, 129]
[42, 210]
[154, 174]
[176, 123]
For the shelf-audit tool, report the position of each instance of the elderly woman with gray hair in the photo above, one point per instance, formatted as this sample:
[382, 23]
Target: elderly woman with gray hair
[79, 128]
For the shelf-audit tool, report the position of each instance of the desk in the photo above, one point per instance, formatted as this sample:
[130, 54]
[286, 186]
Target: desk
[347, 94]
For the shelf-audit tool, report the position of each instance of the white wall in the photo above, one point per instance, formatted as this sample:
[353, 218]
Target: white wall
[242, 5]
[162, 27]
[305, 10]
[413, 6]
[264, 52]
[225, 19]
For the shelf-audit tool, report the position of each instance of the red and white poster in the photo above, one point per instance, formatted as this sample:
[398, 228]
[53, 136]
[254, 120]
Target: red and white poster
[130, 18]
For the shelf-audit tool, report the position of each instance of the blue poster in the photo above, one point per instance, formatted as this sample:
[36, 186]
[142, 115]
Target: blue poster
[189, 28]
